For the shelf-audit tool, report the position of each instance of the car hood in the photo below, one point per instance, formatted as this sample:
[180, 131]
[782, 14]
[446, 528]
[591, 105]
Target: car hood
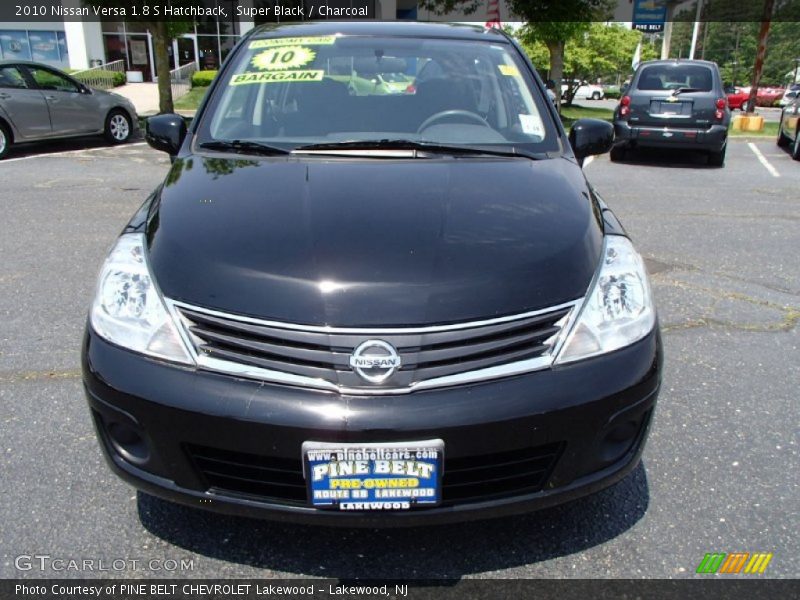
[373, 242]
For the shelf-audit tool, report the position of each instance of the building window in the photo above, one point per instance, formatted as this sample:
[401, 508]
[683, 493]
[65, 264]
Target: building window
[42, 46]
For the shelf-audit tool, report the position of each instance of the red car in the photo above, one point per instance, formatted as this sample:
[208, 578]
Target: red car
[765, 96]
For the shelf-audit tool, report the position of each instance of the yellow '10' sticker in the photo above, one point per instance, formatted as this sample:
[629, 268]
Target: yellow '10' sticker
[282, 58]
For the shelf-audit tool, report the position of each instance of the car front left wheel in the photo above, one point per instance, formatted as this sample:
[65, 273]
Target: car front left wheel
[796, 145]
[782, 141]
[5, 140]
[118, 127]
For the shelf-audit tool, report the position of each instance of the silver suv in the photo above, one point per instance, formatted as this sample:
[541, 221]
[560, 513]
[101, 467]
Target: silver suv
[674, 104]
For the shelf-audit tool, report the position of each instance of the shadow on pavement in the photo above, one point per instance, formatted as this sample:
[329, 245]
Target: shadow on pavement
[667, 158]
[66, 145]
[447, 551]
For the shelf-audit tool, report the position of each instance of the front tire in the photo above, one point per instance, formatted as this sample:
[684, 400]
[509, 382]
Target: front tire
[782, 140]
[5, 140]
[118, 128]
[596, 96]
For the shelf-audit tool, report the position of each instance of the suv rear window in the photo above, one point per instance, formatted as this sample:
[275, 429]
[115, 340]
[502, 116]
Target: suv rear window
[672, 77]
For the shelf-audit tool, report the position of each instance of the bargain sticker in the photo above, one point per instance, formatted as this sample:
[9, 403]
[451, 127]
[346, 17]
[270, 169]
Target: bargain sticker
[277, 77]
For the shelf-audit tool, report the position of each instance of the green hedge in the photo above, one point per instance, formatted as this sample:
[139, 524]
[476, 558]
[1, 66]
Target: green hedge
[113, 78]
[203, 78]
[612, 93]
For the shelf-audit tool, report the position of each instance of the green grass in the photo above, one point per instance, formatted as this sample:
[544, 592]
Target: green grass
[570, 114]
[191, 100]
[770, 130]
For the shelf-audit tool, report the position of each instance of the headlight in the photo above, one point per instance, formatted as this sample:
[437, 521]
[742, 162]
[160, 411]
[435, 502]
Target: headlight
[619, 308]
[128, 309]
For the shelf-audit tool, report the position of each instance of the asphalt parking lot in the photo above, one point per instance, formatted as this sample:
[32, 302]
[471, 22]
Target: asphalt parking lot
[720, 473]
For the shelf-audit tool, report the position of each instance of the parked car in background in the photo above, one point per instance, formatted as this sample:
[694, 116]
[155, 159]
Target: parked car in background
[788, 97]
[737, 97]
[789, 128]
[765, 96]
[587, 91]
[674, 104]
[38, 102]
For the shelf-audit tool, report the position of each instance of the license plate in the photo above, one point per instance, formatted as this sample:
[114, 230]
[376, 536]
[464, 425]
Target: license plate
[374, 477]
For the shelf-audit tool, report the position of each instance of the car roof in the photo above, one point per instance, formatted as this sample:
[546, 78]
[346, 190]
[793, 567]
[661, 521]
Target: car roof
[461, 31]
[27, 63]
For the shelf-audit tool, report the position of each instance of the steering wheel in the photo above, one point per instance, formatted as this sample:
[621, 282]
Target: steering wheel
[451, 113]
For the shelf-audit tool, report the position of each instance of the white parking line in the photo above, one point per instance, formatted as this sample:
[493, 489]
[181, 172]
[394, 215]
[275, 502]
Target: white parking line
[69, 152]
[763, 160]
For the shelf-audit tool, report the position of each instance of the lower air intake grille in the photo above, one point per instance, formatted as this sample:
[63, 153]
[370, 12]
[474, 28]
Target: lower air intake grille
[473, 479]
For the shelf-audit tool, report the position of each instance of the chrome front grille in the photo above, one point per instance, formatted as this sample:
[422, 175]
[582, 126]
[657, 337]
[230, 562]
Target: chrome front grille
[319, 357]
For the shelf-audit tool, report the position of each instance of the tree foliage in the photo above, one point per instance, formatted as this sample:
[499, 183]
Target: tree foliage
[553, 22]
[599, 52]
[732, 42]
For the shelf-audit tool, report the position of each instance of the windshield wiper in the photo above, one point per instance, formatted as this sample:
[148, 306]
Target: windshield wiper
[244, 147]
[684, 90]
[400, 144]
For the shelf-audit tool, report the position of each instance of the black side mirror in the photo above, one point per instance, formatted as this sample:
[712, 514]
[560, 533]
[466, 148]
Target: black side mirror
[85, 89]
[590, 136]
[166, 133]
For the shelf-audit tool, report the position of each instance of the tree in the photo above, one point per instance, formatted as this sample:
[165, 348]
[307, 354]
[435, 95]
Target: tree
[554, 35]
[163, 32]
[553, 22]
[604, 51]
[763, 34]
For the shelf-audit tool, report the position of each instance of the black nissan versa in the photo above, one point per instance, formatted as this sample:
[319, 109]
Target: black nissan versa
[359, 304]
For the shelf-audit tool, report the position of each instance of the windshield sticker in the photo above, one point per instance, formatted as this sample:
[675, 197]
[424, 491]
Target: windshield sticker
[509, 70]
[280, 59]
[325, 40]
[532, 125]
[277, 77]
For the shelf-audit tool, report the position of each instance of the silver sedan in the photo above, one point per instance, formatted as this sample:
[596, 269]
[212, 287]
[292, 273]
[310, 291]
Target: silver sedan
[38, 102]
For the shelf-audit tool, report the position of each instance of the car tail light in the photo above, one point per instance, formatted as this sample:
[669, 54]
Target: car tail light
[720, 112]
[625, 106]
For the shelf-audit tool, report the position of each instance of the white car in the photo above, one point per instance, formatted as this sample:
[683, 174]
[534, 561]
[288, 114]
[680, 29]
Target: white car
[788, 97]
[588, 91]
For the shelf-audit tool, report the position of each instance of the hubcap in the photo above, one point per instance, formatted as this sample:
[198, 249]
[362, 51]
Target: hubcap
[3, 141]
[119, 127]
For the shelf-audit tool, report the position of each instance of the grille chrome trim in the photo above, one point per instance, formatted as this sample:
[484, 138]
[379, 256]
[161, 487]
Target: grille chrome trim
[475, 376]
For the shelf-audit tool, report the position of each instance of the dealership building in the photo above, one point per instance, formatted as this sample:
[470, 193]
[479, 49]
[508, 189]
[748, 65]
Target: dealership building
[84, 44]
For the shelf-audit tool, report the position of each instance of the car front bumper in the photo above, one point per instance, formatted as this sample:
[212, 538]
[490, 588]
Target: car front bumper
[567, 432]
[713, 138]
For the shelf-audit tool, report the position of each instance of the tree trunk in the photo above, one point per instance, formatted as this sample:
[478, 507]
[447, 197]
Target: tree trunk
[160, 43]
[761, 54]
[556, 49]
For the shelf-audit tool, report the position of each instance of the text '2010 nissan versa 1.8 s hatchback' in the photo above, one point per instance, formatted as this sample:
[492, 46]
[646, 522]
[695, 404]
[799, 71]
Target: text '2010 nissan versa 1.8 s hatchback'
[358, 304]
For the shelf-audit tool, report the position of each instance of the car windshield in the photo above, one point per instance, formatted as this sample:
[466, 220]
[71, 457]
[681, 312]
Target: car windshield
[674, 77]
[306, 91]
